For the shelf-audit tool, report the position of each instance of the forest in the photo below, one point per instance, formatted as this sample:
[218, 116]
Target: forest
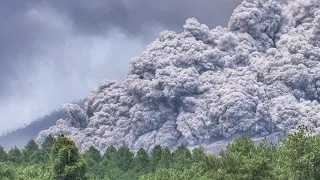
[295, 157]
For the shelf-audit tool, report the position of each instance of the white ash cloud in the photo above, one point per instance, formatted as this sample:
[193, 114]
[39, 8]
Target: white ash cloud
[258, 76]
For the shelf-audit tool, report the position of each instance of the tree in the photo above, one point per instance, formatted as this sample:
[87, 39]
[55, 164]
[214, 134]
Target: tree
[110, 157]
[3, 155]
[125, 158]
[298, 156]
[29, 149]
[48, 143]
[34, 172]
[243, 160]
[15, 155]
[6, 172]
[193, 173]
[66, 161]
[166, 159]
[39, 156]
[93, 159]
[182, 157]
[155, 156]
[93, 155]
[198, 154]
[142, 161]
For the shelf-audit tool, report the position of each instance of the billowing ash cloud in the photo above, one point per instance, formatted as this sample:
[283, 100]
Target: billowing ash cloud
[259, 75]
[52, 52]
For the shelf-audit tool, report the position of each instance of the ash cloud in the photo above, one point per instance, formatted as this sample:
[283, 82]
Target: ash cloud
[53, 52]
[259, 75]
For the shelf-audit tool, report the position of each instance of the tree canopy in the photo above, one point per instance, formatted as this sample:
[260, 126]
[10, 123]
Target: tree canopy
[295, 157]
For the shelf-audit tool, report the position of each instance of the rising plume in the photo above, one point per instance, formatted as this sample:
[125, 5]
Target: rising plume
[259, 75]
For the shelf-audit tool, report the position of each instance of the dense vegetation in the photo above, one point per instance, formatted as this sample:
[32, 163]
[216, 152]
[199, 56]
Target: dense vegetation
[295, 157]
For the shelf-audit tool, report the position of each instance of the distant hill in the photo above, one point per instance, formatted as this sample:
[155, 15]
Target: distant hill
[22, 135]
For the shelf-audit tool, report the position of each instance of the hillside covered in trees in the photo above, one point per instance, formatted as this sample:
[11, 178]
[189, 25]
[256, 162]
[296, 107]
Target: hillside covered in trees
[295, 157]
[21, 136]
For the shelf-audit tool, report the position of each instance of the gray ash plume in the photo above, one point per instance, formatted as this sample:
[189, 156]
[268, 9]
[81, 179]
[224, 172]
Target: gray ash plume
[260, 75]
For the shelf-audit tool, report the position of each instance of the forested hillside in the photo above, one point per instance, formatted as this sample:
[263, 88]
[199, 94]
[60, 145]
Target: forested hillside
[21, 136]
[295, 157]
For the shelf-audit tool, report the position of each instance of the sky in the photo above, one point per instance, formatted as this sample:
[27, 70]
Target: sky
[55, 52]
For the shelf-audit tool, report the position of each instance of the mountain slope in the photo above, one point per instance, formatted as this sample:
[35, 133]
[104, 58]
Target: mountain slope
[21, 136]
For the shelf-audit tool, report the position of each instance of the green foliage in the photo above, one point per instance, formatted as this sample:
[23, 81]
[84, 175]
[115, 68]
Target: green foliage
[298, 156]
[28, 150]
[125, 158]
[40, 156]
[243, 160]
[110, 157]
[34, 172]
[194, 173]
[198, 154]
[15, 155]
[166, 159]
[141, 161]
[182, 157]
[3, 155]
[65, 158]
[6, 172]
[295, 157]
[155, 156]
[92, 157]
[48, 143]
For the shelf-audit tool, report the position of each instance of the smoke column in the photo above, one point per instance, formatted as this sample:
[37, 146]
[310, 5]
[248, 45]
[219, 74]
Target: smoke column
[259, 75]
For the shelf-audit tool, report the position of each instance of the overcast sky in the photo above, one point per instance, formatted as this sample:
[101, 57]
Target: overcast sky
[56, 51]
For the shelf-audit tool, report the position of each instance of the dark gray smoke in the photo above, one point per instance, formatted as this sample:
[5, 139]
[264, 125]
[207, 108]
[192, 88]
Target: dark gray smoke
[259, 75]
